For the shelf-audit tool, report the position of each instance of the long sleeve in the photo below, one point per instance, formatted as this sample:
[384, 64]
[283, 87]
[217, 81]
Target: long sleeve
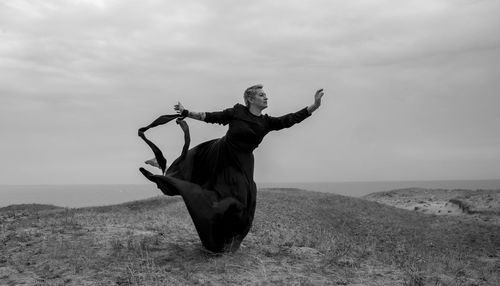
[288, 120]
[220, 117]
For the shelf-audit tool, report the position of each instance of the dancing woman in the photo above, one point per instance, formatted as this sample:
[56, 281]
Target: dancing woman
[215, 178]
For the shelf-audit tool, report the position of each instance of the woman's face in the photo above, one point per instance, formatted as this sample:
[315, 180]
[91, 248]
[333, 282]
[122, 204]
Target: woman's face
[259, 100]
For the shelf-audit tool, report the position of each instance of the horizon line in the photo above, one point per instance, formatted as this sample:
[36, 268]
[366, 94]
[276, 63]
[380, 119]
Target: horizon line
[275, 182]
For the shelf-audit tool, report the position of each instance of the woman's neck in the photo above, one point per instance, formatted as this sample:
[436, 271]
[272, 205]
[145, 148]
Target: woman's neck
[254, 110]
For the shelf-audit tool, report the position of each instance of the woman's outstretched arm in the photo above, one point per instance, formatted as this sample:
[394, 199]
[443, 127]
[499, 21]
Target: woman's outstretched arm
[288, 120]
[187, 113]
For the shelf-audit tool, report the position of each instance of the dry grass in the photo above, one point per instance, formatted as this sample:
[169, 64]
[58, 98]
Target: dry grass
[298, 238]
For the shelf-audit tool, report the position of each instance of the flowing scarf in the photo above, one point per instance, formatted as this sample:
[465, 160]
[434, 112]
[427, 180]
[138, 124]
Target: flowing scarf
[160, 159]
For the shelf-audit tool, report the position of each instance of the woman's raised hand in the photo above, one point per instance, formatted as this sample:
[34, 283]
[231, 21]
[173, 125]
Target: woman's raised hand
[317, 101]
[317, 97]
[178, 107]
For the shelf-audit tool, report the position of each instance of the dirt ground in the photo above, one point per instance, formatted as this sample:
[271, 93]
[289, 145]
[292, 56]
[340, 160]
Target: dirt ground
[298, 238]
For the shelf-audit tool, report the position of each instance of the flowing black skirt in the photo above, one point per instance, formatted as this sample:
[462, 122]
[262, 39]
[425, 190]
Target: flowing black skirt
[216, 183]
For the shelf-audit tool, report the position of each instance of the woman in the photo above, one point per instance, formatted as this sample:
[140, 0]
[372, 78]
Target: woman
[215, 178]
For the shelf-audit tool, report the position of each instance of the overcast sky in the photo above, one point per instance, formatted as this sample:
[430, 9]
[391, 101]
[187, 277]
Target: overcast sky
[412, 87]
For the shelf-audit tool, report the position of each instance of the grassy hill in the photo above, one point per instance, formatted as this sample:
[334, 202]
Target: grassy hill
[298, 238]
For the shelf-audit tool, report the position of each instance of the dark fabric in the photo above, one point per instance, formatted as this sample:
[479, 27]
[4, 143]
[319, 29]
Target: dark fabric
[215, 178]
[159, 121]
[160, 159]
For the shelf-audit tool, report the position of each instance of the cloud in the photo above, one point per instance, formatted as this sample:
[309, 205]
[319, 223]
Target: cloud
[398, 73]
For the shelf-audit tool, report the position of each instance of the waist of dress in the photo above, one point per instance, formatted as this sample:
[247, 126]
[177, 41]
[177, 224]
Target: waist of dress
[238, 146]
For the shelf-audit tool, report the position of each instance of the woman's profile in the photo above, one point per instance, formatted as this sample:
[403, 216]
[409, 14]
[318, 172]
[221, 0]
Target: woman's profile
[215, 178]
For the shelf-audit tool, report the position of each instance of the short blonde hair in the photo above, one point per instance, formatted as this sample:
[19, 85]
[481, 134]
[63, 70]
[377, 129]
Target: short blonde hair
[251, 92]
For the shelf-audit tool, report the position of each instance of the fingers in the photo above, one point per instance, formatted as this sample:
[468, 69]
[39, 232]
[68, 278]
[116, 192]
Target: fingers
[317, 97]
[319, 93]
[178, 107]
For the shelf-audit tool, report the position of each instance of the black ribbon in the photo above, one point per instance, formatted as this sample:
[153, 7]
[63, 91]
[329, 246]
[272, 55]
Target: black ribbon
[160, 159]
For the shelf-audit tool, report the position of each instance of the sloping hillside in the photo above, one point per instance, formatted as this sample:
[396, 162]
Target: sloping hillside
[298, 238]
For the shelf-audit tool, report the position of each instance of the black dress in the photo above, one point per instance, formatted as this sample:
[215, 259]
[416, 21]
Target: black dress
[215, 178]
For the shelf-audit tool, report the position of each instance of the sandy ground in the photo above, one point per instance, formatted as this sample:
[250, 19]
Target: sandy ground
[479, 205]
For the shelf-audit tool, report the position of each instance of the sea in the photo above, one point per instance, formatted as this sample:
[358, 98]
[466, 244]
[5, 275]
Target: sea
[74, 196]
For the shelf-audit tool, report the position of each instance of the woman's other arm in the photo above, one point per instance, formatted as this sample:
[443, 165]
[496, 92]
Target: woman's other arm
[219, 117]
[186, 113]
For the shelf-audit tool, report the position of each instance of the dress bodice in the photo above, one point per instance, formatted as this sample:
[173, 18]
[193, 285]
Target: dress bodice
[246, 130]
